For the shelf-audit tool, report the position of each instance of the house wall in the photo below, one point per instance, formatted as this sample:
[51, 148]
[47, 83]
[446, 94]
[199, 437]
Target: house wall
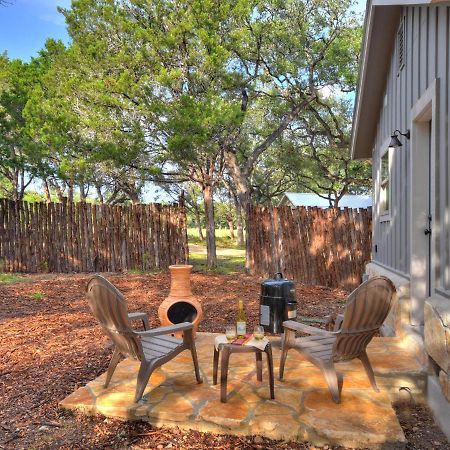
[427, 35]
[399, 243]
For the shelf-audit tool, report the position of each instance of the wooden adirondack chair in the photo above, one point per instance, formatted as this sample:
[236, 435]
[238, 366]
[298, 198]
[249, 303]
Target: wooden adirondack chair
[152, 348]
[366, 309]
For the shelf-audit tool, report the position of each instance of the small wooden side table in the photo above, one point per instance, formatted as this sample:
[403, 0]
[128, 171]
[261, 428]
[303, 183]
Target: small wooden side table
[227, 350]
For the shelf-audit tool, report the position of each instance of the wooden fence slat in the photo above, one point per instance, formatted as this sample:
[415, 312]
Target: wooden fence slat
[329, 247]
[79, 237]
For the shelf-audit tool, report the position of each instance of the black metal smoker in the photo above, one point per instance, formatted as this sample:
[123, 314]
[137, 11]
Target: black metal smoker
[277, 303]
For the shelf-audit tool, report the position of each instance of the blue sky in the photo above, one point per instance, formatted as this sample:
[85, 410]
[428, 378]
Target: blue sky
[25, 25]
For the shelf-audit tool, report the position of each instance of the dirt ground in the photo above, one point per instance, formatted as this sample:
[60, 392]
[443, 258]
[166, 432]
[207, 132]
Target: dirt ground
[50, 345]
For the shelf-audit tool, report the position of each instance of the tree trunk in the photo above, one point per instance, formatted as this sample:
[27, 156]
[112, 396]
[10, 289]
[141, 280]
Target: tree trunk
[134, 197]
[15, 184]
[82, 193]
[198, 222]
[241, 181]
[210, 226]
[99, 193]
[47, 191]
[22, 185]
[239, 224]
[70, 184]
[132, 192]
[58, 189]
[231, 226]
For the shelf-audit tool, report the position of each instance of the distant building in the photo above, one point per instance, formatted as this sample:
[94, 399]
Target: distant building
[294, 199]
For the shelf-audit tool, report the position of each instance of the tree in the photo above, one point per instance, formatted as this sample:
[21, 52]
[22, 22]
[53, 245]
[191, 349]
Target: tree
[19, 159]
[310, 158]
[84, 145]
[191, 86]
[167, 67]
[290, 53]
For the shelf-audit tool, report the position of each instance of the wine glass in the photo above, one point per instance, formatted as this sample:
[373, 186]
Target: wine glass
[230, 332]
[258, 332]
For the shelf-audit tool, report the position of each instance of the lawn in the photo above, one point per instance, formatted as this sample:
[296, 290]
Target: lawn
[11, 278]
[222, 238]
[229, 261]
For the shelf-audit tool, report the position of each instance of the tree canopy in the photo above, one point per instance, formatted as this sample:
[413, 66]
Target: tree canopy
[247, 97]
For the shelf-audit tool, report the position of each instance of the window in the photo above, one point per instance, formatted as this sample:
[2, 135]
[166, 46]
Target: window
[401, 44]
[384, 183]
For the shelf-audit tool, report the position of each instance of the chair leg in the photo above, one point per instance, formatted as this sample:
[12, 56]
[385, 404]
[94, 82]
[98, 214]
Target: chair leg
[112, 366]
[288, 336]
[145, 370]
[334, 383]
[195, 360]
[368, 367]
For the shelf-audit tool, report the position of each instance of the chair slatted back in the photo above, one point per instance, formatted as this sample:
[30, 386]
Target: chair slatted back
[366, 309]
[109, 307]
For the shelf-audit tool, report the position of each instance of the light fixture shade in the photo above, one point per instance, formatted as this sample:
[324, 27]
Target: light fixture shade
[395, 142]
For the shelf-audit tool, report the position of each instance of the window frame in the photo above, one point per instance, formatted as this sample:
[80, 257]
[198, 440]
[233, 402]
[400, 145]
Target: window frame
[385, 215]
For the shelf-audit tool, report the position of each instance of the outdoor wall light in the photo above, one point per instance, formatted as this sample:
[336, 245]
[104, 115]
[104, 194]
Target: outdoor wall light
[395, 142]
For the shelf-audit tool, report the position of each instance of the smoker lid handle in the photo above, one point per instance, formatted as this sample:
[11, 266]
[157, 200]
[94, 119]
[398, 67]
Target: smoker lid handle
[278, 276]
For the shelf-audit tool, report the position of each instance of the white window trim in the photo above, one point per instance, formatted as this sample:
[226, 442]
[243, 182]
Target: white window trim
[385, 216]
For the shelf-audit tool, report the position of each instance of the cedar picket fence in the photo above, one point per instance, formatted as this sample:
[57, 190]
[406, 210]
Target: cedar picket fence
[82, 237]
[328, 247]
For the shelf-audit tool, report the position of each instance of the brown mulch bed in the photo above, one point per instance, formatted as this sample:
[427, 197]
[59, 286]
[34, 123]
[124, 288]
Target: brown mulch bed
[50, 345]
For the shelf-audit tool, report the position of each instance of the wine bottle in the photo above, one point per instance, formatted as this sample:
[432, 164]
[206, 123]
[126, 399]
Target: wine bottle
[241, 319]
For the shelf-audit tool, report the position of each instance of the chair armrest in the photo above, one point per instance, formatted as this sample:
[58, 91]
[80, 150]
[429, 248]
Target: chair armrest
[166, 330]
[338, 322]
[301, 327]
[137, 315]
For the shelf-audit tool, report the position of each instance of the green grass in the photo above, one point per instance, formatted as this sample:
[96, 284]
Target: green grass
[142, 272]
[225, 264]
[38, 295]
[11, 278]
[222, 238]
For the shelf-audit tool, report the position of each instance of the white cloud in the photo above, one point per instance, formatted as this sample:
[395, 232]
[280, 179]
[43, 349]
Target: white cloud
[47, 10]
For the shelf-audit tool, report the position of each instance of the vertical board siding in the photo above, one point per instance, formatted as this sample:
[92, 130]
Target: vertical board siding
[427, 58]
[80, 237]
[329, 247]
[445, 137]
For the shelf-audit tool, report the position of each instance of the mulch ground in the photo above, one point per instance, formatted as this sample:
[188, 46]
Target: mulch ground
[50, 345]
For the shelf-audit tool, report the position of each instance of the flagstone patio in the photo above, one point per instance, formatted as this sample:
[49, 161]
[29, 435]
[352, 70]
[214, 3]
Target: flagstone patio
[302, 409]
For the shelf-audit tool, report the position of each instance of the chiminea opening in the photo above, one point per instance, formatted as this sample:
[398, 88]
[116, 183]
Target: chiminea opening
[181, 312]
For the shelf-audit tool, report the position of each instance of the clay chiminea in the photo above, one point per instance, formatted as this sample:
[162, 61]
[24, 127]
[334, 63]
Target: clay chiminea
[180, 305]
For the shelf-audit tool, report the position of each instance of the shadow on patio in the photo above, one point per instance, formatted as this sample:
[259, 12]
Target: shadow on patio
[302, 409]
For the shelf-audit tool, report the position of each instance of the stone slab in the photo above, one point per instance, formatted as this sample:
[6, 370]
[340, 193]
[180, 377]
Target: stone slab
[437, 332]
[302, 409]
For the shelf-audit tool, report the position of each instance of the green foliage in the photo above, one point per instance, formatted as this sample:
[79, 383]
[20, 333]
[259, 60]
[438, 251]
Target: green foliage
[34, 197]
[187, 91]
[38, 295]
[11, 278]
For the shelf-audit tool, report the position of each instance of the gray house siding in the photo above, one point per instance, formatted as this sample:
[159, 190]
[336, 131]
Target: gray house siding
[427, 35]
